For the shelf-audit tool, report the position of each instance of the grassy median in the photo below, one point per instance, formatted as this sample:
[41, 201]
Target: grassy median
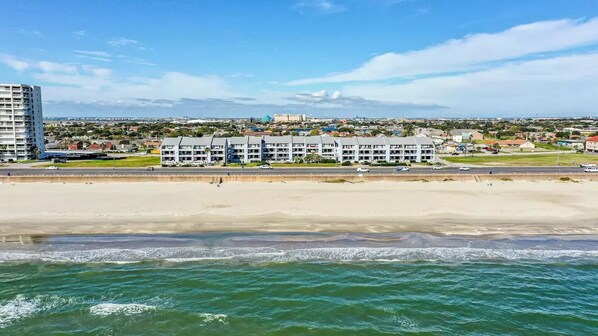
[526, 160]
[129, 162]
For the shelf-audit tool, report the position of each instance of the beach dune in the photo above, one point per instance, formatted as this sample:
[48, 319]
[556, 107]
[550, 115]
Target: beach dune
[469, 208]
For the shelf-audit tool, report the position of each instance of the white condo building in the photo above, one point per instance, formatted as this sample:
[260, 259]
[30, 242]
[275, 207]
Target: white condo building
[184, 150]
[21, 122]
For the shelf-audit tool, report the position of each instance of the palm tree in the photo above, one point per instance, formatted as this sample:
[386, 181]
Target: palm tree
[36, 152]
[207, 151]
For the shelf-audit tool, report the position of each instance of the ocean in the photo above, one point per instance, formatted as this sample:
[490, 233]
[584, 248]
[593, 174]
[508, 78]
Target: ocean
[300, 284]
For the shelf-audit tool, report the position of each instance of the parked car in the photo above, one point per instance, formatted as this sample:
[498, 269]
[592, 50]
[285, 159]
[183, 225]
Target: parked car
[437, 168]
[455, 153]
[591, 170]
[399, 169]
[464, 168]
[588, 165]
[495, 152]
[52, 168]
[265, 167]
[363, 170]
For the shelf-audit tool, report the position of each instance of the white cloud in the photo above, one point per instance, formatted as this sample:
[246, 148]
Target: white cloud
[473, 51]
[13, 62]
[92, 53]
[54, 67]
[121, 41]
[563, 86]
[101, 56]
[79, 33]
[89, 83]
[30, 32]
[319, 6]
[135, 60]
[241, 74]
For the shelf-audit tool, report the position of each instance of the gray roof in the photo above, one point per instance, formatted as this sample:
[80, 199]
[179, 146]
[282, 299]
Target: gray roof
[371, 141]
[237, 140]
[254, 140]
[278, 139]
[347, 141]
[461, 131]
[207, 141]
[423, 141]
[203, 141]
[171, 141]
[316, 139]
[327, 140]
[299, 139]
[401, 141]
[218, 141]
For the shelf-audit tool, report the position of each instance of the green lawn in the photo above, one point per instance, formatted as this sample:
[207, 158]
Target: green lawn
[547, 146]
[251, 164]
[299, 165]
[129, 162]
[283, 165]
[526, 160]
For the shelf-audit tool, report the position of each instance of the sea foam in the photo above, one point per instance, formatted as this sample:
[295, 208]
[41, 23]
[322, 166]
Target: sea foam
[216, 318]
[106, 309]
[22, 307]
[267, 254]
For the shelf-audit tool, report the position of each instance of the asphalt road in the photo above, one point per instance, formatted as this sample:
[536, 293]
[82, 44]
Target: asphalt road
[283, 171]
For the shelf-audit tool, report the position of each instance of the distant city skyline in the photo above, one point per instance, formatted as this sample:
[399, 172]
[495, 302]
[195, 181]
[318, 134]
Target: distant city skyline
[325, 58]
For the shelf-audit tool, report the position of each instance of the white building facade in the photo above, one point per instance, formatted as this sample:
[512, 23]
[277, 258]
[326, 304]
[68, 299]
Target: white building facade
[183, 150]
[21, 122]
[289, 118]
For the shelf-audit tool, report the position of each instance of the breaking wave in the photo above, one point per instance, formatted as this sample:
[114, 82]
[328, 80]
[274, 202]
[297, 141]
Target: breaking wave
[214, 318]
[22, 307]
[106, 309]
[267, 254]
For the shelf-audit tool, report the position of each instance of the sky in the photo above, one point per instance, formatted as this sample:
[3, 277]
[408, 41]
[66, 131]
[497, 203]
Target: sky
[325, 58]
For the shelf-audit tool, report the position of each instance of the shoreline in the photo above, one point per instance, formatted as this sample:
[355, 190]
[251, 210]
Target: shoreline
[519, 208]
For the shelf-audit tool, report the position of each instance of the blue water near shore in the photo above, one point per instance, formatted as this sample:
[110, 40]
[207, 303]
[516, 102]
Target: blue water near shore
[300, 284]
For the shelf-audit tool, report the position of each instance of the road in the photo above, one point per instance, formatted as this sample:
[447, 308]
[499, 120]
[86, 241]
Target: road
[282, 171]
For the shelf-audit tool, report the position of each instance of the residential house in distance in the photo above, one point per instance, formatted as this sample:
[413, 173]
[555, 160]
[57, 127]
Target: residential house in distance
[573, 144]
[152, 144]
[460, 135]
[183, 150]
[518, 143]
[592, 144]
[77, 145]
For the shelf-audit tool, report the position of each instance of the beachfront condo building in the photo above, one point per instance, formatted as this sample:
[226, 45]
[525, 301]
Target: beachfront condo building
[21, 122]
[209, 150]
[289, 118]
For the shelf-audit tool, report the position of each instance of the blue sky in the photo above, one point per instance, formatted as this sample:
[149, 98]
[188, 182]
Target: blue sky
[400, 58]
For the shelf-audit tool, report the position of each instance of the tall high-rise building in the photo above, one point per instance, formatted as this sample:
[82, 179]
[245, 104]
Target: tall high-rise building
[21, 122]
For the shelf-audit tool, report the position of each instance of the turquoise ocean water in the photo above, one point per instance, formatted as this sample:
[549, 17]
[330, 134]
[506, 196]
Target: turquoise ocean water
[300, 284]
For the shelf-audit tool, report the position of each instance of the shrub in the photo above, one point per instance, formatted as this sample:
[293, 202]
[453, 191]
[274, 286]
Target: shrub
[346, 163]
[337, 181]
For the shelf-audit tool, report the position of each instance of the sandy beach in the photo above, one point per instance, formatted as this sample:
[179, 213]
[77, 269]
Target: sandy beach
[506, 208]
